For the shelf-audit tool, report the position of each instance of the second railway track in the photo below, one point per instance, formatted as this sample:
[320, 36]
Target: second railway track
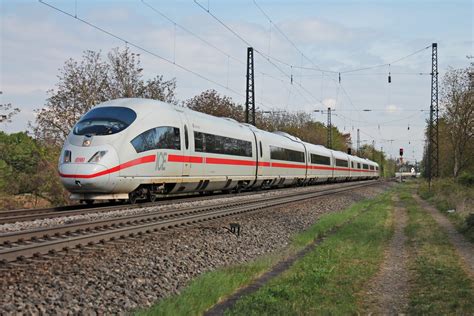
[25, 244]
[23, 215]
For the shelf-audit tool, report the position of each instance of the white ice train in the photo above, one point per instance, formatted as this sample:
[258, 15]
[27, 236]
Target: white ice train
[129, 149]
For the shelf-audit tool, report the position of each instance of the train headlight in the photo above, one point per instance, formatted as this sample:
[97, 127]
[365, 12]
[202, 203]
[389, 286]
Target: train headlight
[67, 156]
[97, 156]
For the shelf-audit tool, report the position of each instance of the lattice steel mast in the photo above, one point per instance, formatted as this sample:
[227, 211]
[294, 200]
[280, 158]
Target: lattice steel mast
[329, 138]
[433, 131]
[250, 91]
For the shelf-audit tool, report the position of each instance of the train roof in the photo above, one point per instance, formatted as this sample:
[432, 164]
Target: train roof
[144, 106]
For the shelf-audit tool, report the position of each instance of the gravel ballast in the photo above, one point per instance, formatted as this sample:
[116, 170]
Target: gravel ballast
[122, 276]
[102, 215]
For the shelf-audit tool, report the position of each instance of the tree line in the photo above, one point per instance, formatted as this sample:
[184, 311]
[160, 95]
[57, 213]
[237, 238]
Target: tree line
[456, 125]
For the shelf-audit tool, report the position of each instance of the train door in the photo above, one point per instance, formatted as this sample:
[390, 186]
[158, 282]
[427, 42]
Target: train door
[186, 147]
[306, 162]
[259, 154]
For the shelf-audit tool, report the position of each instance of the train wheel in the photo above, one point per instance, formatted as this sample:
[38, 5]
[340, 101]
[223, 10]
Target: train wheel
[151, 197]
[132, 198]
[89, 202]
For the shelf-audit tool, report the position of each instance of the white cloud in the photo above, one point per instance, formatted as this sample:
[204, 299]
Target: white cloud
[392, 108]
[330, 103]
[311, 30]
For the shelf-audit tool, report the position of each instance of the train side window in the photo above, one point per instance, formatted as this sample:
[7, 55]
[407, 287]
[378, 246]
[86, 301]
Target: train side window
[261, 150]
[320, 160]
[216, 144]
[342, 163]
[279, 153]
[164, 137]
[186, 138]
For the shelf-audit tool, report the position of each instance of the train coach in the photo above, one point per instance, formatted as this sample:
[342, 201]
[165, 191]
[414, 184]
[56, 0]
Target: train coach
[130, 149]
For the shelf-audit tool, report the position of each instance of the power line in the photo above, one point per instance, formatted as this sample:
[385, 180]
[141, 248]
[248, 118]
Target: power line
[127, 42]
[190, 32]
[385, 122]
[318, 68]
[386, 64]
[290, 41]
[263, 55]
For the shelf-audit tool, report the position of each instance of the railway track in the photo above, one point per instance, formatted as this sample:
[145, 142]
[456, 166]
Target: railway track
[25, 244]
[23, 215]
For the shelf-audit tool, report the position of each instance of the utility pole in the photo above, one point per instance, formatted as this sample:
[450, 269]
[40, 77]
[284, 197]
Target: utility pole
[433, 142]
[358, 142]
[329, 126]
[373, 150]
[250, 91]
[381, 162]
[329, 138]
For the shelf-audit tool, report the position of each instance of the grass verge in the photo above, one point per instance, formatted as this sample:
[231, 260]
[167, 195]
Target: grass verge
[327, 280]
[207, 289]
[439, 284]
[446, 194]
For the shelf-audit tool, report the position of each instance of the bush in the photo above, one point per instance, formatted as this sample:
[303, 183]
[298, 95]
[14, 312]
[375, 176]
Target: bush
[470, 221]
[466, 179]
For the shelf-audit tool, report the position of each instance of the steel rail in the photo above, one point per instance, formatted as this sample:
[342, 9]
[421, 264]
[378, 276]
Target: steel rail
[35, 248]
[22, 215]
[19, 236]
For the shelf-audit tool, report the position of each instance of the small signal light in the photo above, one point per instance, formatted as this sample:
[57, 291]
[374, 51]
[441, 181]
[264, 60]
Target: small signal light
[401, 152]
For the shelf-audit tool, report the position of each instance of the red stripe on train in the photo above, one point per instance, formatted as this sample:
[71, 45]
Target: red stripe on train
[225, 161]
[128, 164]
[181, 158]
[199, 160]
[287, 165]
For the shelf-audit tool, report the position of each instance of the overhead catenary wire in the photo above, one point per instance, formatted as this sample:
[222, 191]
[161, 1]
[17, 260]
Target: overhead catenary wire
[214, 46]
[141, 48]
[208, 43]
[386, 64]
[318, 68]
[338, 83]
[263, 55]
[289, 40]
[387, 122]
[194, 34]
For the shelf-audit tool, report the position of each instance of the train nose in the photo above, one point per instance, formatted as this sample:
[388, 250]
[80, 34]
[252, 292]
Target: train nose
[88, 170]
[87, 177]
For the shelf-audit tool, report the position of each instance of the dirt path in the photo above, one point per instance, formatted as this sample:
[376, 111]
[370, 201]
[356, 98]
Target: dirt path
[464, 248]
[388, 291]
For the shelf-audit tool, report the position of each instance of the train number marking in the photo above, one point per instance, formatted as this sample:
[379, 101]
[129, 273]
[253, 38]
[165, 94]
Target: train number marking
[161, 159]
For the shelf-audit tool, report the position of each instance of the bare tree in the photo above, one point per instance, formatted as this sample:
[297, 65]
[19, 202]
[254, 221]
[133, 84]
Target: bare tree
[7, 112]
[93, 80]
[458, 99]
[210, 102]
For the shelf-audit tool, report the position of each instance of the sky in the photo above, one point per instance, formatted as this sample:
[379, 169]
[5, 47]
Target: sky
[310, 41]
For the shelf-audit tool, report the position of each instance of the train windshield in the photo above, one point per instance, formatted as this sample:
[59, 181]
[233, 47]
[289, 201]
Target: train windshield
[105, 121]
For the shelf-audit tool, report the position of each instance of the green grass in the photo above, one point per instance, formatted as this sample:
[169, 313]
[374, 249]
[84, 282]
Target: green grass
[328, 279]
[207, 289]
[446, 194]
[439, 285]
